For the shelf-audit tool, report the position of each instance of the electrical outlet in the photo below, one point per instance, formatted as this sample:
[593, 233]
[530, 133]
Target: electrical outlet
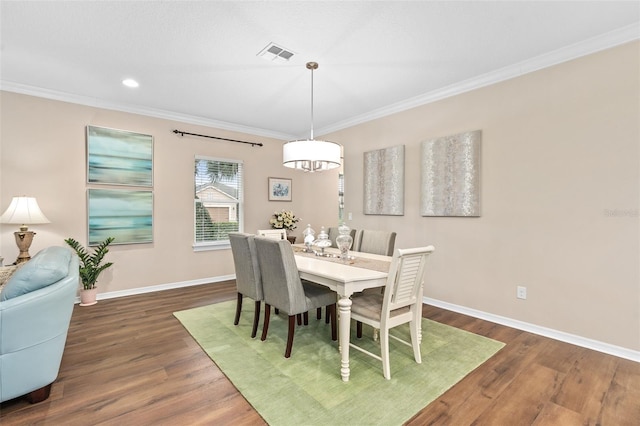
[350, 216]
[521, 292]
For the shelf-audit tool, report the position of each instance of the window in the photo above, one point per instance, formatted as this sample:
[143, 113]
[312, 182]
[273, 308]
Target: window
[218, 201]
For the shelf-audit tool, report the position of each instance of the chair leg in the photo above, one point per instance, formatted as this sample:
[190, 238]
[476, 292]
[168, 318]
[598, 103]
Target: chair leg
[331, 311]
[305, 317]
[319, 313]
[415, 338]
[238, 309]
[326, 315]
[256, 319]
[292, 327]
[299, 318]
[384, 353]
[265, 325]
[359, 329]
[39, 395]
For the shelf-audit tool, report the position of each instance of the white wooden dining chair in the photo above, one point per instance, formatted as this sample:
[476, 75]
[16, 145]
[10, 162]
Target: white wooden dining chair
[276, 234]
[400, 304]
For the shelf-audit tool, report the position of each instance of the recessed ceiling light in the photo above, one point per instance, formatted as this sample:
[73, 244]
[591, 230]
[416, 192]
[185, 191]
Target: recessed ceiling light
[129, 82]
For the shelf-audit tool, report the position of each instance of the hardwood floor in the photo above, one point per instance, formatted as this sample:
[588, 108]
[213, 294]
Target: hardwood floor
[128, 361]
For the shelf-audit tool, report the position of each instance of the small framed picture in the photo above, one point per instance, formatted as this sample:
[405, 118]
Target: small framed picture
[279, 189]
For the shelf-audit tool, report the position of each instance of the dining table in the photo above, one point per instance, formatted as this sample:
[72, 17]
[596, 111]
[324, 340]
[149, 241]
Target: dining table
[346, 277]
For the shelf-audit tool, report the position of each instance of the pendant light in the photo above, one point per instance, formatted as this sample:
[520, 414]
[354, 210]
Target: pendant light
[311, 155]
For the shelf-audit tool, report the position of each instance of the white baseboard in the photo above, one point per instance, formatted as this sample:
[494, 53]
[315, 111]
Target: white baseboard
[542, 331]
[161, 287]
[520, 325]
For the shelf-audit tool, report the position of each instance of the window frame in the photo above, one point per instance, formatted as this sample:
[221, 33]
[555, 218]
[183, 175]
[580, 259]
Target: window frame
[218, 244]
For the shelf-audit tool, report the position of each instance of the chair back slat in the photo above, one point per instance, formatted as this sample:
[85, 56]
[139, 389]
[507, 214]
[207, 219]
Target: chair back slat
[406, 277]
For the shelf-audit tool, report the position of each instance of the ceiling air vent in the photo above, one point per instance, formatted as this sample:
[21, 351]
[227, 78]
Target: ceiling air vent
[276, 53]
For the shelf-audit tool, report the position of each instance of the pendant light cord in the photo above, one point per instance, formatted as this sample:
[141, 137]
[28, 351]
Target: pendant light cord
[312, 66]
[312, 104]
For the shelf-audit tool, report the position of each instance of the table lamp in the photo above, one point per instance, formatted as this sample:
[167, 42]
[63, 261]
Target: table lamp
[23, 211]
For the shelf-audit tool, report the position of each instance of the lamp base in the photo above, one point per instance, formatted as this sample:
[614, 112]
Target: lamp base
[23, 240]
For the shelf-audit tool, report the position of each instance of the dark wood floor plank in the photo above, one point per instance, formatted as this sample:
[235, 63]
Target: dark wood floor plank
[129, 361]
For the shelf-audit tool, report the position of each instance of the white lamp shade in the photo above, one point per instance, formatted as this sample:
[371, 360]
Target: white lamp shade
[311, 155]
[24, 211]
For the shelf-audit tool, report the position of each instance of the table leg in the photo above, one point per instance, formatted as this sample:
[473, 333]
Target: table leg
[344, 304]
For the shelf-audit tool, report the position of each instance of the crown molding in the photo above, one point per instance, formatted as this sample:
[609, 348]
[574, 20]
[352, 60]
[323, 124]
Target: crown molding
[606, 41]
[40, 92]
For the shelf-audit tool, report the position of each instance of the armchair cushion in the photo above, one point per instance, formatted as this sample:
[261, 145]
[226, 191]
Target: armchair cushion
[50, 265]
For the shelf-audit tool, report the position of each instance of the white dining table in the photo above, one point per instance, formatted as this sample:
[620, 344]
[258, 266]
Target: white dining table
[345, 279]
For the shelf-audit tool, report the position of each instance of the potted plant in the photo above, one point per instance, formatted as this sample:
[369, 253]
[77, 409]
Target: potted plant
[285, 220]
[91, 267]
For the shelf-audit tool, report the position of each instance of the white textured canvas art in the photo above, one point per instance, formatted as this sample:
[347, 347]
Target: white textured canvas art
[384, 181]
[450, 181]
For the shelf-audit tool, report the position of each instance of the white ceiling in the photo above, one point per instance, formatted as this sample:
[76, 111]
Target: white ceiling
[197, 61]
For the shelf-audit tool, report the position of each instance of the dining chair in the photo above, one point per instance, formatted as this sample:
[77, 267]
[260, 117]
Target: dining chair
[401, 303]
[375, 242]
[248, 278]
[283, 289]
[276, 234]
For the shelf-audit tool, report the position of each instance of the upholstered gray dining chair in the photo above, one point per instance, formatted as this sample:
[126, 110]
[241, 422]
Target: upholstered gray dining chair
[283, 289]
[401, 303]
[375, 242]
[248, 278]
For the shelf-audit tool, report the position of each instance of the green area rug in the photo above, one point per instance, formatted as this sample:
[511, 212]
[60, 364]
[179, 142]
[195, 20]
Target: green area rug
[307, 389]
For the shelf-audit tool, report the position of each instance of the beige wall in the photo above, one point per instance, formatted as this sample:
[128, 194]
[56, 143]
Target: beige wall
[42, 154]
[559, 193]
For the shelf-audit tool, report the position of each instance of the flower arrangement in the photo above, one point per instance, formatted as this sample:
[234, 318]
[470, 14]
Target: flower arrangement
[284, 219]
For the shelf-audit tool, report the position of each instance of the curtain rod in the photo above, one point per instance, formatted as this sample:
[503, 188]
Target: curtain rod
[215, 137]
